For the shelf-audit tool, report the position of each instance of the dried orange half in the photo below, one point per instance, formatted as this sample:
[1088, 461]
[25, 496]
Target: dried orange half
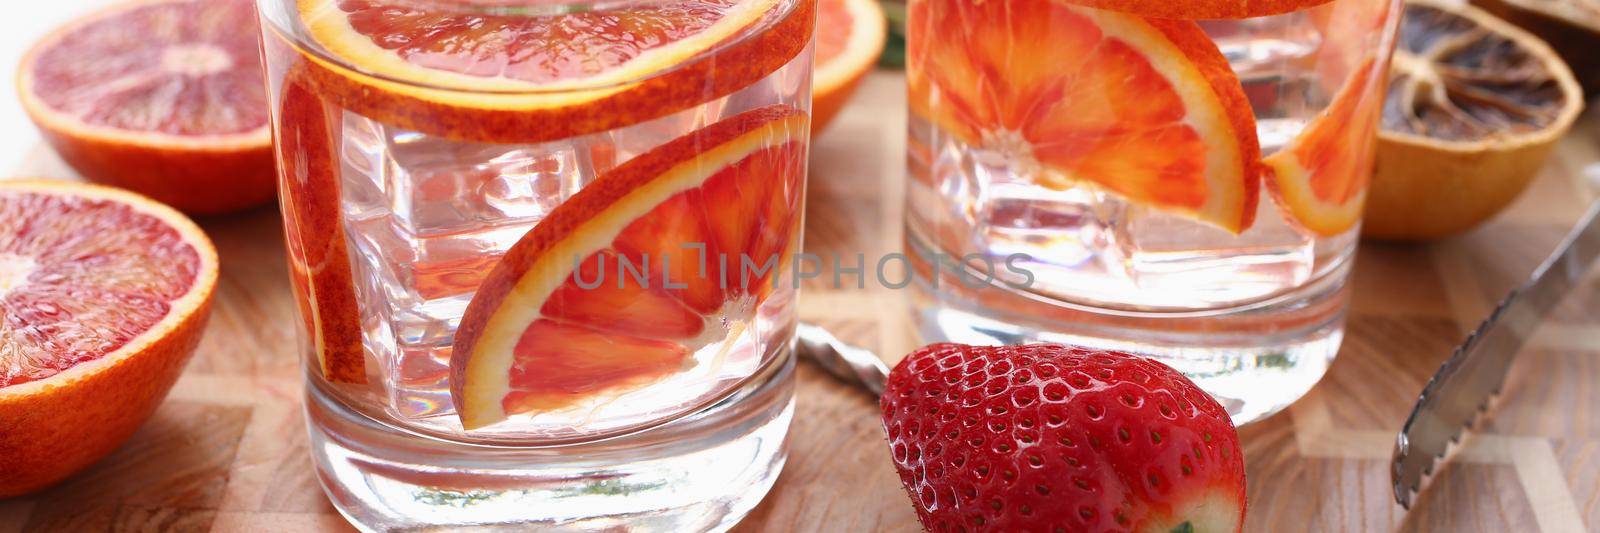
[103, 297]
[539, 335]
[1145, 108]
[495, 74]
[1202, 9]
[1475, 107]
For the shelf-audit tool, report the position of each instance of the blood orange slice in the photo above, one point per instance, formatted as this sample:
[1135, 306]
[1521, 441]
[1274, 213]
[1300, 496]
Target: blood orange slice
[1321, 177]
[1145, 108]
[1202, 9]
[850, 36]
[161, 97]
[541, 335]
[103, 296]
[319, 264]
[488, 73]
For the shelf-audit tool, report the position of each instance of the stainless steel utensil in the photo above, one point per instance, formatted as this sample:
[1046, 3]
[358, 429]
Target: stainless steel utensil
[1464, 386]
[851, 364]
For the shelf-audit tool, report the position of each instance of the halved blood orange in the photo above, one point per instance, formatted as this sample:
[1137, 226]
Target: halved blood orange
[1321, 177]
[319, 264]
[1145, 108]
[540, 335]
[162, 97]
[850, 36]
[492, 74]
[1202, 9]
[103, 297]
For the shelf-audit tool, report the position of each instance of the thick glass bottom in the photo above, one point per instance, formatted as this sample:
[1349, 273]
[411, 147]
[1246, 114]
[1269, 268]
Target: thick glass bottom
[700, 473]
[1256, 359]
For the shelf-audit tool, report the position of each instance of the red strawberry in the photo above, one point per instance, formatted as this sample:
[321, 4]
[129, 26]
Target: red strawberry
[1051, 438]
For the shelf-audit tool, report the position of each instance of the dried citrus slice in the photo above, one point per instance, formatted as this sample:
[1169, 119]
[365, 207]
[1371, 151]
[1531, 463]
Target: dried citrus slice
[850, 36]
[103, 296]
[1145, 108]
[1202, 9]
[319, 264]
[1475, 106]
[1571, 27]
[162, 97]
[493, 74]
[539, 337]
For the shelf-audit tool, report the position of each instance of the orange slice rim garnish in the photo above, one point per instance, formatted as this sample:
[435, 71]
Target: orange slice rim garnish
[737, 50]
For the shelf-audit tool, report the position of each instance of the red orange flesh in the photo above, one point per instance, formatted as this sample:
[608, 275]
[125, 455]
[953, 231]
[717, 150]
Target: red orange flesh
[161, 97]
[541, 335]
[103, 297]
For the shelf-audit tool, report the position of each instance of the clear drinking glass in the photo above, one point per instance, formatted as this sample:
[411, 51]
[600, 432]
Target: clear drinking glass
[519, 234]
[1190, 189]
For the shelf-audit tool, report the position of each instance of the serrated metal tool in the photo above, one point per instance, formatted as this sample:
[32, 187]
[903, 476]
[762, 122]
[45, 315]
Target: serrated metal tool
[1467, 382]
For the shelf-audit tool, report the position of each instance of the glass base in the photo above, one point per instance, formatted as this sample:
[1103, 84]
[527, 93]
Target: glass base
[700, 473]
[1255, 360]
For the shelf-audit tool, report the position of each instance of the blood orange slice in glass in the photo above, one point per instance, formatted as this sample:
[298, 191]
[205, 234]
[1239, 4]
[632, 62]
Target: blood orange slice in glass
[559, 322]
[478, 71]
[1321, 176]
[103, 296]
[1145, 108]
[319, 263]
[161, 97]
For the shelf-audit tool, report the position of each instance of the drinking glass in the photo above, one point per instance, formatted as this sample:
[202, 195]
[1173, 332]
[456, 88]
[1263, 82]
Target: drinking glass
[1183, 187]
[520, 235]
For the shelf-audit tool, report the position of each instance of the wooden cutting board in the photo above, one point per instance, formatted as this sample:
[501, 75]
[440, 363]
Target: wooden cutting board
[227, 450]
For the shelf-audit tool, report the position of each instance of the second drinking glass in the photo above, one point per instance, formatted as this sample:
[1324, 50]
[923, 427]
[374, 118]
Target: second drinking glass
[1127, 175]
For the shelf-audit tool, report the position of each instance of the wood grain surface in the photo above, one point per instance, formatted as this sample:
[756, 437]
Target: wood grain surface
[226, 452]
